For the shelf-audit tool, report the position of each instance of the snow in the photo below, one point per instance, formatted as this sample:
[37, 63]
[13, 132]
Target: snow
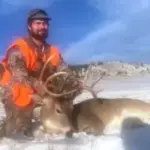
[136, 139]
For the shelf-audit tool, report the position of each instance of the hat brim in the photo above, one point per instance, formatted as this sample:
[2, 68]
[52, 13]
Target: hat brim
[39, 16]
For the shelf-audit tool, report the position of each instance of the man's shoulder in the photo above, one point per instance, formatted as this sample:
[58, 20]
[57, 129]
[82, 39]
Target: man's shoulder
[18, 41]
[18, 45]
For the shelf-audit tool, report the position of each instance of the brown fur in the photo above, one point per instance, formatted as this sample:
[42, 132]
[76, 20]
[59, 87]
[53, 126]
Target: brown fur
[92, 116]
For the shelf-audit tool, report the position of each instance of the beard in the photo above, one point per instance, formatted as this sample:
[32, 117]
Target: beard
[39, 35]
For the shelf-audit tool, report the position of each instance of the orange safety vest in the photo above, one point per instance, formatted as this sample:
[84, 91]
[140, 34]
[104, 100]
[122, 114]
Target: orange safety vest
[31, 57]
[19, 91]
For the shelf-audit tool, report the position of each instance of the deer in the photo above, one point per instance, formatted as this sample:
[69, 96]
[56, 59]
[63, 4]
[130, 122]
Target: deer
[56, 108]
[98, 116]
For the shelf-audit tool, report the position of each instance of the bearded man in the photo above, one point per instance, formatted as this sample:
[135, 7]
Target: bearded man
[20, 69]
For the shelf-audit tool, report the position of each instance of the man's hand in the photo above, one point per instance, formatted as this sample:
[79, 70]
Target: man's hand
[38, 87]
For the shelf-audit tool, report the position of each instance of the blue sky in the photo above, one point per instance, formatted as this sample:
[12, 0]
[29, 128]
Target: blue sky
[85, 30]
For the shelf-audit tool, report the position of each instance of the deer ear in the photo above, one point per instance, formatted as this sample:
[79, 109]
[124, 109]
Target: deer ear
[36, 98]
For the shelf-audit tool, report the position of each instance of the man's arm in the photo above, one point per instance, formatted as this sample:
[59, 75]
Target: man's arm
[16, 64]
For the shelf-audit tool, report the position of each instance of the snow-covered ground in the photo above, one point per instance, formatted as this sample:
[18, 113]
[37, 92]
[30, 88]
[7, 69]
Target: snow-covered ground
[137, 139]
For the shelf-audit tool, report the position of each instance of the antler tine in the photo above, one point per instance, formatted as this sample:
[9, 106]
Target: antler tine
[59, 94]
[98, 79]
[54, 75]
[56, 94]
[87, 74]
[65, 73]
[62, 87]
[44, 67]
[90, 89]
[70, 92]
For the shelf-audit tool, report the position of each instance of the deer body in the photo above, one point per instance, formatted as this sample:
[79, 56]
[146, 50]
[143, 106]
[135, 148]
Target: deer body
[92, 116]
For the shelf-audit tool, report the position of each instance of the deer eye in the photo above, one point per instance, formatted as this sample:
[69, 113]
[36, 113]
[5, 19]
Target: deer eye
[59, 111]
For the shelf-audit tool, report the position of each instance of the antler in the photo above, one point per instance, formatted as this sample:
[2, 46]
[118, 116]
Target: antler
[81, 84]
[90, 88]
[44, 67]
[52, 77]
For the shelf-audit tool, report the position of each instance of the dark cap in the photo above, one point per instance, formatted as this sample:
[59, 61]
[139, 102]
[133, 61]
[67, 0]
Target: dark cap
[38, 14]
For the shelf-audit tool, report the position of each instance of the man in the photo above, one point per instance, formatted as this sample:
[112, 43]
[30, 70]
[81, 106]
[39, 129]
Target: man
[21, 67]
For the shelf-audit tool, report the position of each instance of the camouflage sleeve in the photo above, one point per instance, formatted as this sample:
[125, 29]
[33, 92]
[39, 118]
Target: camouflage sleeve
[16, 64]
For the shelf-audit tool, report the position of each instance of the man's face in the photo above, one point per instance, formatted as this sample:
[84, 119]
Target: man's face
[39, 29]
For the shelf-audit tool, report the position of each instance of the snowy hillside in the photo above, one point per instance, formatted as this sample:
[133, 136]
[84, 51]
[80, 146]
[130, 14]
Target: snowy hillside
[115, 68]
[137, 139]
